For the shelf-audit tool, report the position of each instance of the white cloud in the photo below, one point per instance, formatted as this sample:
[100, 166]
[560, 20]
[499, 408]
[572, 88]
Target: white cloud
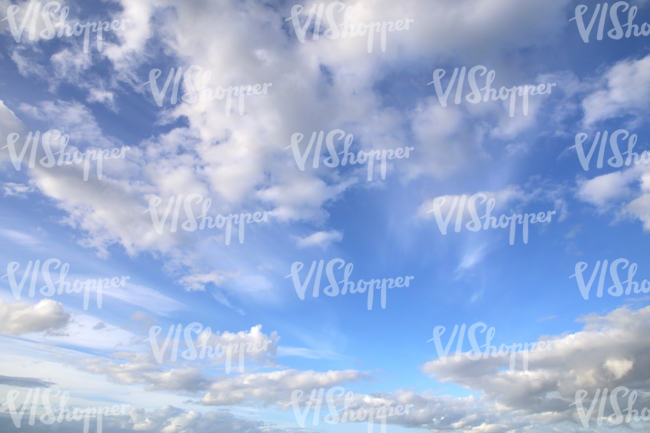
[608, 352]
[72, 118]
[604, 189]
[624, 90]
[17, 189]
[9, 123]
[240, 162]
[198, 281]
[187, 375]
[18, 318]
[166, 419]
[626, 193]
[320, 239]
[273, 388]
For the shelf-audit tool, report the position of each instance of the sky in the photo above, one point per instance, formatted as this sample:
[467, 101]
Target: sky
[227, 108]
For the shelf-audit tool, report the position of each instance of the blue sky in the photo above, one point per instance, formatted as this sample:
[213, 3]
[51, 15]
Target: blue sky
[242, 163]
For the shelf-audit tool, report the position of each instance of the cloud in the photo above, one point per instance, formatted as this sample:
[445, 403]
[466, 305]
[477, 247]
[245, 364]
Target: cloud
[146, 298]
[21, 238]
[199, 281]
[240, 161]
[320, 239]
[169, 419]
[86, 332]
[16, 190]
[25, 382]
[17, 318]
[512, 198]
[304, 352]
[602, 190]
[232, 158]
[610, 351]
[72, 118]
[9, 124]
[142, 368]
[273, 388]
[187, 375]
[625, 193]
[624, 90]
[472, 257]
[166, 419]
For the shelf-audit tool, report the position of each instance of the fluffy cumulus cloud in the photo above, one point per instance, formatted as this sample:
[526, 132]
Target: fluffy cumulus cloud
[17, 318]
[623, 91]
[608, 352]
[234, 154]
[625, 193]
[232, 158]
